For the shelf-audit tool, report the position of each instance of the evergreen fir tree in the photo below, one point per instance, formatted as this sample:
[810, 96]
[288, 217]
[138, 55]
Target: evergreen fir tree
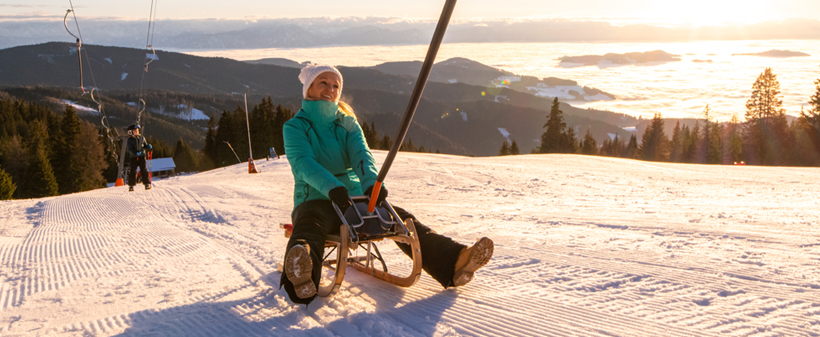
[386, 143]
[676, 146]
[38, 180]
[554, 139]
[159, 147]
[691, 141]
[185, 157]
[714, 154]
[111, 152]
[735, 141]
[111, 168]
[618, 146]
[570, 141]
[505, 149]
[612, 148]
[263, 131]
[7, 187]
[631, 149]
[14, 159]
[371, 137]
[70, 167]
[408, 146]
[710, 145]
[225, 133]
[210, 149]
[514, 148]
[88, 156]
[589, 146]
[654, 143]
[766, 124]
[606, 147]
[810, 120]
[281, 117]
[240, 134]
[805, 151]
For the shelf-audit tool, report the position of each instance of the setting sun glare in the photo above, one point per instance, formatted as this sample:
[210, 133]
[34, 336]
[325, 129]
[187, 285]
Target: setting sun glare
[708, 12]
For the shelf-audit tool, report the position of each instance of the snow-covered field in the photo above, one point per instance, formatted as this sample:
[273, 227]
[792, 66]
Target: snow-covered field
[585, 246]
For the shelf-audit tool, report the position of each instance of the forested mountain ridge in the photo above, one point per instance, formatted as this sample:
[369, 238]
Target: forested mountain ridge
[452, 117]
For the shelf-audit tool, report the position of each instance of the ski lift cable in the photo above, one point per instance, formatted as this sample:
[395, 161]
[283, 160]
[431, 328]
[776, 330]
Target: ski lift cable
[149, 40]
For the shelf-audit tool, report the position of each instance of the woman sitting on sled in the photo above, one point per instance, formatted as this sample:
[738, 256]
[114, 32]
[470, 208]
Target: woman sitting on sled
[330, 161]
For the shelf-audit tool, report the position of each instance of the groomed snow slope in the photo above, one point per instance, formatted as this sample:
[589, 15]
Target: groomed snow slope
[585, 246]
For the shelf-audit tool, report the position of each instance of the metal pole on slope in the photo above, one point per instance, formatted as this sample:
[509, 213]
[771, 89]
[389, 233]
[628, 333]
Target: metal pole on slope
[234, 152]
[426, 67]
[251, 164]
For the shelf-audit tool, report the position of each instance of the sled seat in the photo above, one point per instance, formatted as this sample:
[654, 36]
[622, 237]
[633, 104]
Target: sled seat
[342, 249]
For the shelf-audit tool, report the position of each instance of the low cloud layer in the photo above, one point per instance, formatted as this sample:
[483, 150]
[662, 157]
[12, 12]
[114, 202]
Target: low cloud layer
[317, 32]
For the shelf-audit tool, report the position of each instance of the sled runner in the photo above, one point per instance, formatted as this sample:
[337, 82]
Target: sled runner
[360, 229]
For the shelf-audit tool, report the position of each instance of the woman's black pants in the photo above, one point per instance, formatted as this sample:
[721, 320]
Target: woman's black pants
[314, 220]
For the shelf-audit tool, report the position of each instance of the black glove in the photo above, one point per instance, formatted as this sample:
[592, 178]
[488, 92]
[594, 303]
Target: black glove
[340, 197]
[382, 194]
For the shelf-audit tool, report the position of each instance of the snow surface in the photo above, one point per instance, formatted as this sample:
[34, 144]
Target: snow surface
[504, 133]
[124, 75]
[79, 108]
[196, 114]
[585, 246]
[504, 97]
[567, 92]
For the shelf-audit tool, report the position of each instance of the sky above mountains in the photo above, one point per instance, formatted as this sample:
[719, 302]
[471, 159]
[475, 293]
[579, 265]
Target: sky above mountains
[696, 12]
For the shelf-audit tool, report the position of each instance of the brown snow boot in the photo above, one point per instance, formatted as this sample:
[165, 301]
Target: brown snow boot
[471, 259]
[299, 269]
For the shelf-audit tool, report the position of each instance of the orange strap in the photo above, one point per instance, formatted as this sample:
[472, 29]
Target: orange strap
[374, 197]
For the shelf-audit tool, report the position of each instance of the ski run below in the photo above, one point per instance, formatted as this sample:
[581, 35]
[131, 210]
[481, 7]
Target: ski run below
[585, 246]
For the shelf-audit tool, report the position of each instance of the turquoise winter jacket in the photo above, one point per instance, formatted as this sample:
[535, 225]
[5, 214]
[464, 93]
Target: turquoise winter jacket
[326, 149]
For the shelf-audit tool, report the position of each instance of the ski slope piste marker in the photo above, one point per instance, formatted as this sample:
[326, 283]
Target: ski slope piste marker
[426, 67]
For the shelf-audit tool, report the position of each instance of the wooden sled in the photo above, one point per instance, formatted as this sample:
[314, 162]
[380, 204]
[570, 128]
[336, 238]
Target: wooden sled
[343, 249]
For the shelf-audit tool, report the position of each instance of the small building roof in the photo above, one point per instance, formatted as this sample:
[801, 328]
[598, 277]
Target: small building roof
[160, 164]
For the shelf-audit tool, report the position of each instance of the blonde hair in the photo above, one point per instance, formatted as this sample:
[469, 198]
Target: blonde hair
[347, 109]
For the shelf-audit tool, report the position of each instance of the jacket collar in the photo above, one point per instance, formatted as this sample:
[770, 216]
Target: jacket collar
[320, 112]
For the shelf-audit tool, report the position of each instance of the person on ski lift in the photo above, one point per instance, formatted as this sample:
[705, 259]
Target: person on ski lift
[137, 147]
[330, 161]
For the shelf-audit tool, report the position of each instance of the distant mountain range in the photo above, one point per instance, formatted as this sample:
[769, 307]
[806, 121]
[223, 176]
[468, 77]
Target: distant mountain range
[655, 56]
[317, 32]
[467, 108]
[777, 53]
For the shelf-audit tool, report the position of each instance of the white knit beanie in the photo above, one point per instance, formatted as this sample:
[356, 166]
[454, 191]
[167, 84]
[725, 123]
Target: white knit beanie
[312, 70]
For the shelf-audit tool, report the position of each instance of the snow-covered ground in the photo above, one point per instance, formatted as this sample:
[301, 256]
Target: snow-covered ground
[79, 108]
[567, 92]
[585, 246]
